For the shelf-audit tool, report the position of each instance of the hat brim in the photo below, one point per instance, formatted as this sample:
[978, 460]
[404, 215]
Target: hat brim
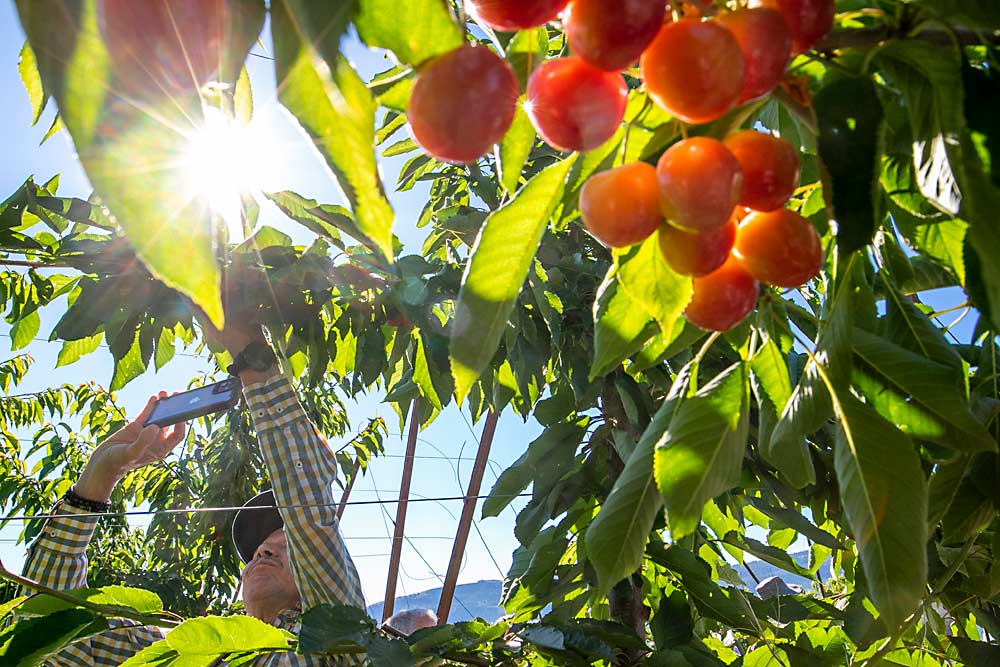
[252, 526]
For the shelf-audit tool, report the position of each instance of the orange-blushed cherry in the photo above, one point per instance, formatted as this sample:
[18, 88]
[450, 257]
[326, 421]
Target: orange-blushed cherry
[770, 167]
[766, 44]
[693, 254]
[621, 206]
[780, 248]
[808, 20]
[511, 15]
[462, 103]
[574, 106]
[723, 298]
[694, 69]
[612, 34]
[700, 183]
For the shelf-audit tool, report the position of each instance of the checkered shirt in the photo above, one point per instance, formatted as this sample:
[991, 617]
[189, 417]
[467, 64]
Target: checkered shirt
[302, 470]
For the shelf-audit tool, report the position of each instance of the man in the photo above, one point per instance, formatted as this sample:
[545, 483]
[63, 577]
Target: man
[295, 556]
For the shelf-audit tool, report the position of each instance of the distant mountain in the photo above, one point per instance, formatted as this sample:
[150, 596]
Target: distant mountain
[481, 598]
[478, 600]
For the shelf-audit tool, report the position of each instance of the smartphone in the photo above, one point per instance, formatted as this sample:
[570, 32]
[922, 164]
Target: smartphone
[195, 403]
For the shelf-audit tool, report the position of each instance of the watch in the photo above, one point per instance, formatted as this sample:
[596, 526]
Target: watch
[255, 356]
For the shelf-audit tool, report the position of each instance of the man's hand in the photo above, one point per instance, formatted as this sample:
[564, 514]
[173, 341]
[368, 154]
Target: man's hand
[241, 329]
[131, 447]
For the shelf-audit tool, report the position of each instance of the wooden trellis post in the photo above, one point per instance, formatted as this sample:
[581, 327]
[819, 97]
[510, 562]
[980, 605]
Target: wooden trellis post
[404, 495]
[465, 521]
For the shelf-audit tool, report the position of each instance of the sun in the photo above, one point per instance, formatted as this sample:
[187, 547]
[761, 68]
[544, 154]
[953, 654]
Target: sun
[224, 160]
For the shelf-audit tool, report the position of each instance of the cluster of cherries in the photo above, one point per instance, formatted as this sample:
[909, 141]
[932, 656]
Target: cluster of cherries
[716, 205]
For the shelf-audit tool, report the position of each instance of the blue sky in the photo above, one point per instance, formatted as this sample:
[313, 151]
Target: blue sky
[367, 529]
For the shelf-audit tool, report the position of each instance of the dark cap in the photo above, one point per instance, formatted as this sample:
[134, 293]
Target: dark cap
[252, 526]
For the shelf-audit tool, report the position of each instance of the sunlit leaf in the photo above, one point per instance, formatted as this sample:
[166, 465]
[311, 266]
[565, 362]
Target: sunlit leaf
[414, 30]
[701, 453]
[336, 109]
[496, 271]
[885, 501]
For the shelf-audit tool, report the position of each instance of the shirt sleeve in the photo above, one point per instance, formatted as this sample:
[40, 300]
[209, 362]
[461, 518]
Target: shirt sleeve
[303, 469]
[58, 556]
[58, 559]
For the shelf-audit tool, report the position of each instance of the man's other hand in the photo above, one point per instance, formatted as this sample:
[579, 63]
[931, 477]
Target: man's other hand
[129, 448]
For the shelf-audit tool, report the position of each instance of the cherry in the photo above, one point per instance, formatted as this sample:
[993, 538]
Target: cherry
[462, 103]
[161, 48]
[770, 168]
[511, 15]
[700, 184]
[575, 107]
[694, 69]
[808, 20]
[692, 254]
[723, 298]
[780, 248]
[766, 44]
[621, 206]
[612, 34]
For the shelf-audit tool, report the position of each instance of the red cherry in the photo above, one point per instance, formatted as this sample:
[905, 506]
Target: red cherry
[766, 45]
[621, 206]
[694, 70]
[780, 248]
[575, 107]
[700, 183]
[612, 34]
[770, 169]
[723, 298]
[164, 48]
[808, 20]
[511, 15]
[462, 103]
[692, 254]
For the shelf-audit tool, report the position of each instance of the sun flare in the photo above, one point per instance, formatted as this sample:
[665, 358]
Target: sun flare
[224, 160]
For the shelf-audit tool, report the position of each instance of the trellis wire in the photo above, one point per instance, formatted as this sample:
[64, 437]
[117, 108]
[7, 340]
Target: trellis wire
[236, 508]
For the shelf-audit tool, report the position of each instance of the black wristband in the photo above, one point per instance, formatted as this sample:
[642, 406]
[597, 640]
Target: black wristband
[75, 500]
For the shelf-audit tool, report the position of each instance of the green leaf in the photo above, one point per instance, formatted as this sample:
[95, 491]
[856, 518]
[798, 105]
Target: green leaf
[796, 521]
[134, 599]
[849, 118]
[422, 373]
[621, 326]
[322, 24]
[651, 283]
[24, 330]
[337, 111]
[243, 98]
[72, 350]
[976, 654]
[414, 30]
[884, 495]
[386, 652]
[710, 599]
[973, 13]
[809, 406]
[564, 436]
[132, 364]
[155, 655]
[515, 147]
[935, 387]
[335, 629]
[908, 327]
[496, 271]
[616, 538]
[31, 641]
[214, 635]
[27, 67]
[701, 453]
[927, 76]
[769, 367]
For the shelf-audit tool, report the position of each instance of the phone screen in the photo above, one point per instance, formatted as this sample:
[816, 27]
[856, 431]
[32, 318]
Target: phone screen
[196, 403]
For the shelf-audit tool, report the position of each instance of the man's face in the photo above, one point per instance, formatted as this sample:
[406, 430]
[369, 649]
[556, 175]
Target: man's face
[267, 579]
